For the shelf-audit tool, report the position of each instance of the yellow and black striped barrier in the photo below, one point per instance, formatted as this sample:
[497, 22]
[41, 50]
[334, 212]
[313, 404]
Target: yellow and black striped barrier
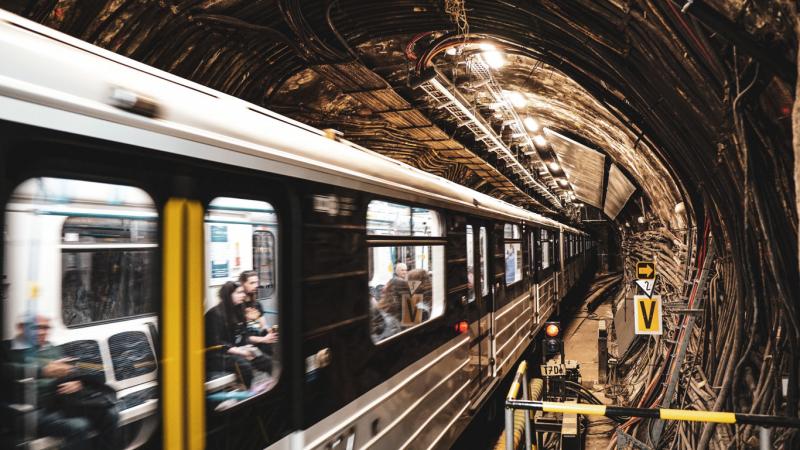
[655, 413]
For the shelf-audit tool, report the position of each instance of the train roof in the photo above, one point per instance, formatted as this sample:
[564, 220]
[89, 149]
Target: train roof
[52, 80]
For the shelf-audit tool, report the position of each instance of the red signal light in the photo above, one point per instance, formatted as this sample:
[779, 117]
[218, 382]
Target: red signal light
[462, 327]
[552, 330]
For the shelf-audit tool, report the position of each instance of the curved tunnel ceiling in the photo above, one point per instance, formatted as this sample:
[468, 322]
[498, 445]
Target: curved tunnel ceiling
[644, 83]
[690, 103]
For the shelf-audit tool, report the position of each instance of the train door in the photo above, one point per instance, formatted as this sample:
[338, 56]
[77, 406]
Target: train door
[479, 298]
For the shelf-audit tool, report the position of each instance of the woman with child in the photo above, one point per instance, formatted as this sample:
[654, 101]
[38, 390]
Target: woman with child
[227, 337]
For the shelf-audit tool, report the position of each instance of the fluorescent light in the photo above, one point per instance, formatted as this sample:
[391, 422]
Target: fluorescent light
[493, 59]
[516, 99]
[540, 141]
[531, 124]
[456, 101]
[553, 166]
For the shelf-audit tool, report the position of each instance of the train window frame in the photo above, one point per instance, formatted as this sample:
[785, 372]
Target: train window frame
[60, 208]
[93, 199]
[512, 239]
[69, 247]
[469, 234]
[546, 253]
[533, 257]
[555, 241]
[435, 241]
[570, 245]
[483, 259]
[214, 215]
[272, 242]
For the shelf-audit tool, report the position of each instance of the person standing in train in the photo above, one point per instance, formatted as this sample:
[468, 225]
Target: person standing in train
[226, 337]
[419, 308]
[396, 291]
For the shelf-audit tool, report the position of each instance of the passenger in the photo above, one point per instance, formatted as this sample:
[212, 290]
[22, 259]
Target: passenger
[259, 334]
[382, 324]
[395, 291]
[226, 337]
[249, 281]
[419, 282]
[71, 403]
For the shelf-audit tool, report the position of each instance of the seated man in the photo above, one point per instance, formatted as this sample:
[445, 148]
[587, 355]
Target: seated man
[69, 405]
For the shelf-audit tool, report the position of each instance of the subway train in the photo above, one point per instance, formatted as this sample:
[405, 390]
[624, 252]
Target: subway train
[133, 200]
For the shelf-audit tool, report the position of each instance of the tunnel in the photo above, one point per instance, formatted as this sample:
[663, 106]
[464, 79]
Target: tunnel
[663, 130]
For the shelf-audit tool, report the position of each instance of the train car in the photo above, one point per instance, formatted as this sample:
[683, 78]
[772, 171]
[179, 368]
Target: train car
[221, 276]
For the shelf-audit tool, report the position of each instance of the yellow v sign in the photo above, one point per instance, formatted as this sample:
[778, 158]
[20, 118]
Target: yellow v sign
[647, 314]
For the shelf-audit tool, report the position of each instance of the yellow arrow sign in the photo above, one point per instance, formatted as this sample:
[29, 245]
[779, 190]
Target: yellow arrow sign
[645, 270]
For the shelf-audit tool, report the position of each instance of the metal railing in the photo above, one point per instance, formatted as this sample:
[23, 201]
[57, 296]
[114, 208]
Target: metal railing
[513, 391]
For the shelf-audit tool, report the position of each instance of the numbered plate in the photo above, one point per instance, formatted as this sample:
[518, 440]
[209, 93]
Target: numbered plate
[553, 370]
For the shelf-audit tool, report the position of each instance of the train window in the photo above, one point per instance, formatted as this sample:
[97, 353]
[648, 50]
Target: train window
[241, 301]
[570, 245]
[107, 268]
[264, 261]
[513, 253]
[555, 245]
[532, 248]
[392, 219]
[470, 264]
[407, 279]
[544, 241]
[79, 254]
[483, 250]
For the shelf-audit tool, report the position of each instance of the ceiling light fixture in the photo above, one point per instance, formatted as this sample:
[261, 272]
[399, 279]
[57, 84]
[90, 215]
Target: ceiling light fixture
[531, 124]
[563, 182]
[522, 157]
[554, 166]
[540, 141]
[482, 129]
